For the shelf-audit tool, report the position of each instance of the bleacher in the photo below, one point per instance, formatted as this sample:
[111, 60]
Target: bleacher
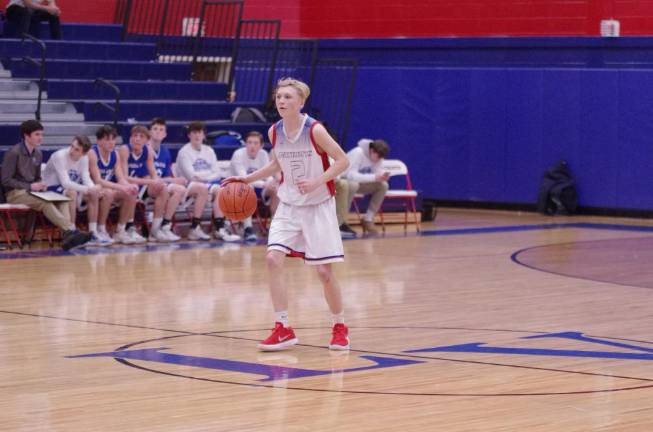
[72, 99]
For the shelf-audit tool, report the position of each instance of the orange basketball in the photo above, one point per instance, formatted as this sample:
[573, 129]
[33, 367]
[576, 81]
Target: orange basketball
[237, 201]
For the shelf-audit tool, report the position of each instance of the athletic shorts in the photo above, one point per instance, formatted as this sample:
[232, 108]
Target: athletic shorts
[143, 195]
[310, 232]
[211, 186]
[81, 204]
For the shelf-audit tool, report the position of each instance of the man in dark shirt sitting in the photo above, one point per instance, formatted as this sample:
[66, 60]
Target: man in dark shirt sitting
[21, 174]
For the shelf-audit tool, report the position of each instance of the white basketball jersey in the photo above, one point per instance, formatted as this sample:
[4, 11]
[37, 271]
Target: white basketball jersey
[300, 159]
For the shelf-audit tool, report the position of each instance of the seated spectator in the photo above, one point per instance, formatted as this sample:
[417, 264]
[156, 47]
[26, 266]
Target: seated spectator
[107, 171]
[139, 161]
[67, 172]
[198, 163]
[163, 166]
[245, 161]
[21, 174]
[363, 176]
[26, 15]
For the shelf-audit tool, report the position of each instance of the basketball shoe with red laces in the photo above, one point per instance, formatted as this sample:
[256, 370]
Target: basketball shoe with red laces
[339, 337]
[280, 339]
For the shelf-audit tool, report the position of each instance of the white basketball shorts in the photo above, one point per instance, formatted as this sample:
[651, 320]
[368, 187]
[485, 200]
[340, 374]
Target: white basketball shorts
[310, 232]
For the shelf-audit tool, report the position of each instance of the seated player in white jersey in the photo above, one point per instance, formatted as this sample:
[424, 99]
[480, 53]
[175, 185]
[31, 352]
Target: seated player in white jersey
[305, 224]
[107, 172]
[139, 161]
[247, 160]
[198, 164]
[163, 165]
[67, 172]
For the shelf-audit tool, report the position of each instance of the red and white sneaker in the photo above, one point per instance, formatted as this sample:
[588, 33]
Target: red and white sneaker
[280, 339]
[339, 338]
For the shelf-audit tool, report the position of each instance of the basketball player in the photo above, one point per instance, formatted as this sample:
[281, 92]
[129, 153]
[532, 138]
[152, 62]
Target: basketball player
[67, 172]
[107, 172]
[163, 167]
[245, 161]
[305, 223]
[140, 171]
[198, 163]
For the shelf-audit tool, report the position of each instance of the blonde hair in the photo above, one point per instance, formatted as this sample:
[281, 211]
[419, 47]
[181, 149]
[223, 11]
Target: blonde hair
[140, 129]
[302, 88]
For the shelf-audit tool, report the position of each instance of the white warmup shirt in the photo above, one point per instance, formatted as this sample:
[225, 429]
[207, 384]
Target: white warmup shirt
[361, 168]
[242, 164]
[202, 163]
[62, 170]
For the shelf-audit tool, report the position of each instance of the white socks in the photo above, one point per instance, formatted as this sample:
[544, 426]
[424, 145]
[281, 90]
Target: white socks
[156, 224]
[281, 317]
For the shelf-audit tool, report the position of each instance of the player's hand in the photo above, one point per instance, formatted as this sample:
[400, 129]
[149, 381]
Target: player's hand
[129, 189]
[232, 179]
[180, 181]
[37, 186]
[94, 191]
[156, 186]
[383, 176]
[307, 186]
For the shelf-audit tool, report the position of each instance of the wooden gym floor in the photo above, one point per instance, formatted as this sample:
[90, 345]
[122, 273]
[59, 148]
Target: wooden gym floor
[489, 321]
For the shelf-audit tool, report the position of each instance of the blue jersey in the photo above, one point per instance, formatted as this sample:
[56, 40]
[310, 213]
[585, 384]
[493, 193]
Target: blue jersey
[137, 167]
[162, 162]
[107, 168]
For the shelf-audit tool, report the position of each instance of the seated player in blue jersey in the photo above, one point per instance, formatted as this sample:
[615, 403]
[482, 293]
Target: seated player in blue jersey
[67, 172]
[107, 172]
[197, 163]
[163, 165]
[139, 161]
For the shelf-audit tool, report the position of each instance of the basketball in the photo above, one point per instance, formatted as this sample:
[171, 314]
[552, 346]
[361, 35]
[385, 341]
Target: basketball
[237, 201]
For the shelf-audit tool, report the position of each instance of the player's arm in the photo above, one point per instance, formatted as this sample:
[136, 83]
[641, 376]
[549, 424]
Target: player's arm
[150, 166]
[59, 163]
[271, 168]
[340, 162]
[123, 151]
[94, 171]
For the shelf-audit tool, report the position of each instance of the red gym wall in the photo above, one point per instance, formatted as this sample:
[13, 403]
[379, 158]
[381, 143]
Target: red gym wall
[423, 18]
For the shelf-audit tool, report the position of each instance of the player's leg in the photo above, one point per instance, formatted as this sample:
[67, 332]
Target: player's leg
[91, 202]
[200, 194]
[223, 228]
[377, 190]
[72, 204]
[161, 197]
[324, 247]
[175, 195]
[284, 238]
[107, 198]
[269, 195]
[343, 204]
[126, 232]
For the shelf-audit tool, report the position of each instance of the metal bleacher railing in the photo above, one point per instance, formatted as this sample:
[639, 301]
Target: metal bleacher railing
[115, 109]
[39, 64]
[335, 78]
[245, 54]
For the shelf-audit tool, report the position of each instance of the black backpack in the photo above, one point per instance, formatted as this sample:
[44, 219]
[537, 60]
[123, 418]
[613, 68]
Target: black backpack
[558, 191]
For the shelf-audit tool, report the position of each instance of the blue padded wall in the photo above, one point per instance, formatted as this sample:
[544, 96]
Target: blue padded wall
[487, 132]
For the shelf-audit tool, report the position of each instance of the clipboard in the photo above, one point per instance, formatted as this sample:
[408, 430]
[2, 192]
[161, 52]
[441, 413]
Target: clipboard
[50, 196]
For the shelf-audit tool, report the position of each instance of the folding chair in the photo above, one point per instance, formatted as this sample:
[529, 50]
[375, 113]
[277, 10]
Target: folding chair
[404, 198]
[8, 211]
[401, 198]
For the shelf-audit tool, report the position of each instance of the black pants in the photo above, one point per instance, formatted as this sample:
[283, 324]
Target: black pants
[26, 20]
